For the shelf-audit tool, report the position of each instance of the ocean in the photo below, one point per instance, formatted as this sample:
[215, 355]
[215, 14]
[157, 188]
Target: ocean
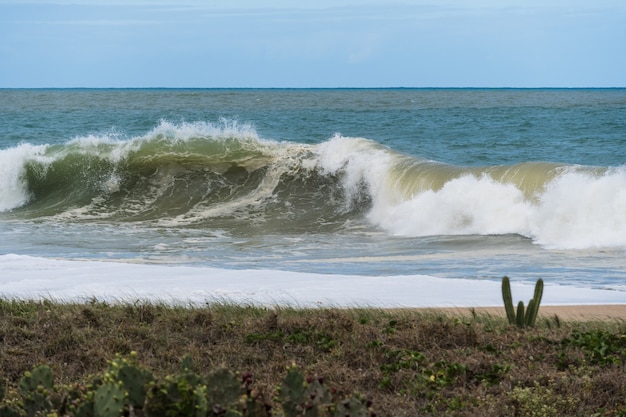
[372, 186]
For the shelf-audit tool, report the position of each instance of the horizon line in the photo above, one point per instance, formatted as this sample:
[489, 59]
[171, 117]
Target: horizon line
[314, 88]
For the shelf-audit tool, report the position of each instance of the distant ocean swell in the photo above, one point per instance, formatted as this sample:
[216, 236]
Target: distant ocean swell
[225, 176]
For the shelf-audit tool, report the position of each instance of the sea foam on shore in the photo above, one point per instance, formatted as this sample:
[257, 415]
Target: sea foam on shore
[26, 277]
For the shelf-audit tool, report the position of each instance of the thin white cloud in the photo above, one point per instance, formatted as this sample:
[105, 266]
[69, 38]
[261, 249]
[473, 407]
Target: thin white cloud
[93, 22]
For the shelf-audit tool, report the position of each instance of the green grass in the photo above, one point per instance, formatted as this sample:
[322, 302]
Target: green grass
[408, 362]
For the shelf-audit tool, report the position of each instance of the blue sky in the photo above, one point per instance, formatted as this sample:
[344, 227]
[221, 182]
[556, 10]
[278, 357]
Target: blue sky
[302, 43]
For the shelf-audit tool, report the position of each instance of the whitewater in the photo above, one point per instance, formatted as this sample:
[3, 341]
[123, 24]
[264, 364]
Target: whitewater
[403, 208]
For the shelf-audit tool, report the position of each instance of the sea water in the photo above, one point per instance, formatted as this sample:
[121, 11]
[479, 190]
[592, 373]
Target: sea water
[463, 185]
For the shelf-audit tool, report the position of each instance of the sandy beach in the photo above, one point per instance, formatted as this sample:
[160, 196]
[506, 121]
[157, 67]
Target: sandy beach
[565, 312]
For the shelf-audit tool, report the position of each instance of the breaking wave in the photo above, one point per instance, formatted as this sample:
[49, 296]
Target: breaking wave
[226, 176]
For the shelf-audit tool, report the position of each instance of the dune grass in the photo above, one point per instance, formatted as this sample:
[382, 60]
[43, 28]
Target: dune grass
[408, 362]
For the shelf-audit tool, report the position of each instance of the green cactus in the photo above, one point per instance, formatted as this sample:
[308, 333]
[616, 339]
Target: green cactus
[223, 389]
[521, 318]
[127, 389]
[134, 381]
[41, 376]
[317, 396]
[180, 395]
[304, 397]
[520, 321]
[201, 402]
[85, 409]
[291, 393]
[186, 365]
[533, 305]
[254, 407]
[109, 400]
[35, 387]
[7, 411]
[352, 407]
[508, 299]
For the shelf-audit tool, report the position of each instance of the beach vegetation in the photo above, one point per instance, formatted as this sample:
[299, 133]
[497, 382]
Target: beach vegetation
[600, 347]
[174, 360]
[540, 401]
[126, 388]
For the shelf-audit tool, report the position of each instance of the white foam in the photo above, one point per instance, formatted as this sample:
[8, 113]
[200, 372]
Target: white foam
[13, 188]
[361, 161]
[466, 205]
[25, 277]
[188, 130]
[577, 209]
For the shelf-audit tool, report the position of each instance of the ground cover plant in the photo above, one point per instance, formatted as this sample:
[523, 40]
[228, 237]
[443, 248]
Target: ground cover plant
[396, 362]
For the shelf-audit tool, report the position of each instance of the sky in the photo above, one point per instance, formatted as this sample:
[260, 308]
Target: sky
[312, 43]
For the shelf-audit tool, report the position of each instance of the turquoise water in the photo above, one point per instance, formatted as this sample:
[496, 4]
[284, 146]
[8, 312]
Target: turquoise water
[459, 183]
[456, 126]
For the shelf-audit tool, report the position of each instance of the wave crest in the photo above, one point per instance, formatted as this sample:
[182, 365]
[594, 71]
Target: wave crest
[225, 176]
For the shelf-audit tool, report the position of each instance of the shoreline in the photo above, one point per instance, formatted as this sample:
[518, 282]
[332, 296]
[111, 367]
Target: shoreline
[573, 312]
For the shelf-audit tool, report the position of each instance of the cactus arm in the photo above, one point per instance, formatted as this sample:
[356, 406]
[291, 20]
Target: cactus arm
[508, 299]
[538, 292]
[531, 314]
[134, 381]
[520, 314]
[35, 402]
[108, 401]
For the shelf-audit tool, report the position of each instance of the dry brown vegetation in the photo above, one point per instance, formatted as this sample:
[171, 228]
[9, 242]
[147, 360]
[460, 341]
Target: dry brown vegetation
[410, 362]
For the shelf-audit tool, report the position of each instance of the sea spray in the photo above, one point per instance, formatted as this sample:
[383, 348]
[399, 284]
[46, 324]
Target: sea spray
[13, 187]
[361, 164]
